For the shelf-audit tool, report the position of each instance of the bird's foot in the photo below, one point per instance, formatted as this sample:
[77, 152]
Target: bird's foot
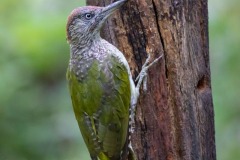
[142, 77]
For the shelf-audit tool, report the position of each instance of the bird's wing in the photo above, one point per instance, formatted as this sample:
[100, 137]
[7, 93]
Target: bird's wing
[101, 104]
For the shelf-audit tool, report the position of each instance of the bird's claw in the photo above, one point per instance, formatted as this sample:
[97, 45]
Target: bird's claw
[142, 77]
[144, 68]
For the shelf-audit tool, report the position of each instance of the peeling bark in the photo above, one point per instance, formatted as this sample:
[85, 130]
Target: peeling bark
[175, 118]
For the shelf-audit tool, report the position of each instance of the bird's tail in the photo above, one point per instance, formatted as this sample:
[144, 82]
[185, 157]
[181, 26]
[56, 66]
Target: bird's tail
[102, 156]
[129, 156]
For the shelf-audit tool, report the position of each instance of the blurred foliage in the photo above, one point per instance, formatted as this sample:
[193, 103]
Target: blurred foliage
[36, 117]
[224, 24]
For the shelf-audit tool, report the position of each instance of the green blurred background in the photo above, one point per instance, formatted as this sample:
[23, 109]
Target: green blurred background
[36, 117]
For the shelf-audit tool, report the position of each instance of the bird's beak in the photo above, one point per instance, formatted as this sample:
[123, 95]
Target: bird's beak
[105, 12]
[108, 10]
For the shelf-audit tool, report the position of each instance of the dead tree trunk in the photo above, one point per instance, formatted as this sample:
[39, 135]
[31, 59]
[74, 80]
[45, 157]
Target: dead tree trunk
[175, 118]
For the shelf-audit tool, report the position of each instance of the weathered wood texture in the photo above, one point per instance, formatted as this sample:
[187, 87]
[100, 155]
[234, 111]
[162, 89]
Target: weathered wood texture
[175, 118]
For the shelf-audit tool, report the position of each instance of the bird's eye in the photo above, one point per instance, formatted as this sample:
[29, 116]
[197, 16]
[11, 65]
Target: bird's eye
[89, 16]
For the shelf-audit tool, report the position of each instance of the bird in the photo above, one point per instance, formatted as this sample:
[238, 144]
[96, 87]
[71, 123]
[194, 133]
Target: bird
[101, 86]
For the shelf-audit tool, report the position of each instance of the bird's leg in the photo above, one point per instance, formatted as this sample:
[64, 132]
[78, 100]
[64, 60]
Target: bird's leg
[142, 79]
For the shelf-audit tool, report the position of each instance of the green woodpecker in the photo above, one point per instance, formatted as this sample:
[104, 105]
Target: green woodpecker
[102, 90]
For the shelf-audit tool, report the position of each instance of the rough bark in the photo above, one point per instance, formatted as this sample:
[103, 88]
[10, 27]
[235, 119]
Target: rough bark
[175, 118]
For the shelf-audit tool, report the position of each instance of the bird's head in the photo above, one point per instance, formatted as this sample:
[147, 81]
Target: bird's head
[84, 23]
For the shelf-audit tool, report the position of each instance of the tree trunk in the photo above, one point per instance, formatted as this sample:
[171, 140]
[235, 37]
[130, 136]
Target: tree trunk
[175, 118]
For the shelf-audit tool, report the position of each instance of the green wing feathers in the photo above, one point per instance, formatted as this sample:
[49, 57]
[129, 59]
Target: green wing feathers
[101, 103]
